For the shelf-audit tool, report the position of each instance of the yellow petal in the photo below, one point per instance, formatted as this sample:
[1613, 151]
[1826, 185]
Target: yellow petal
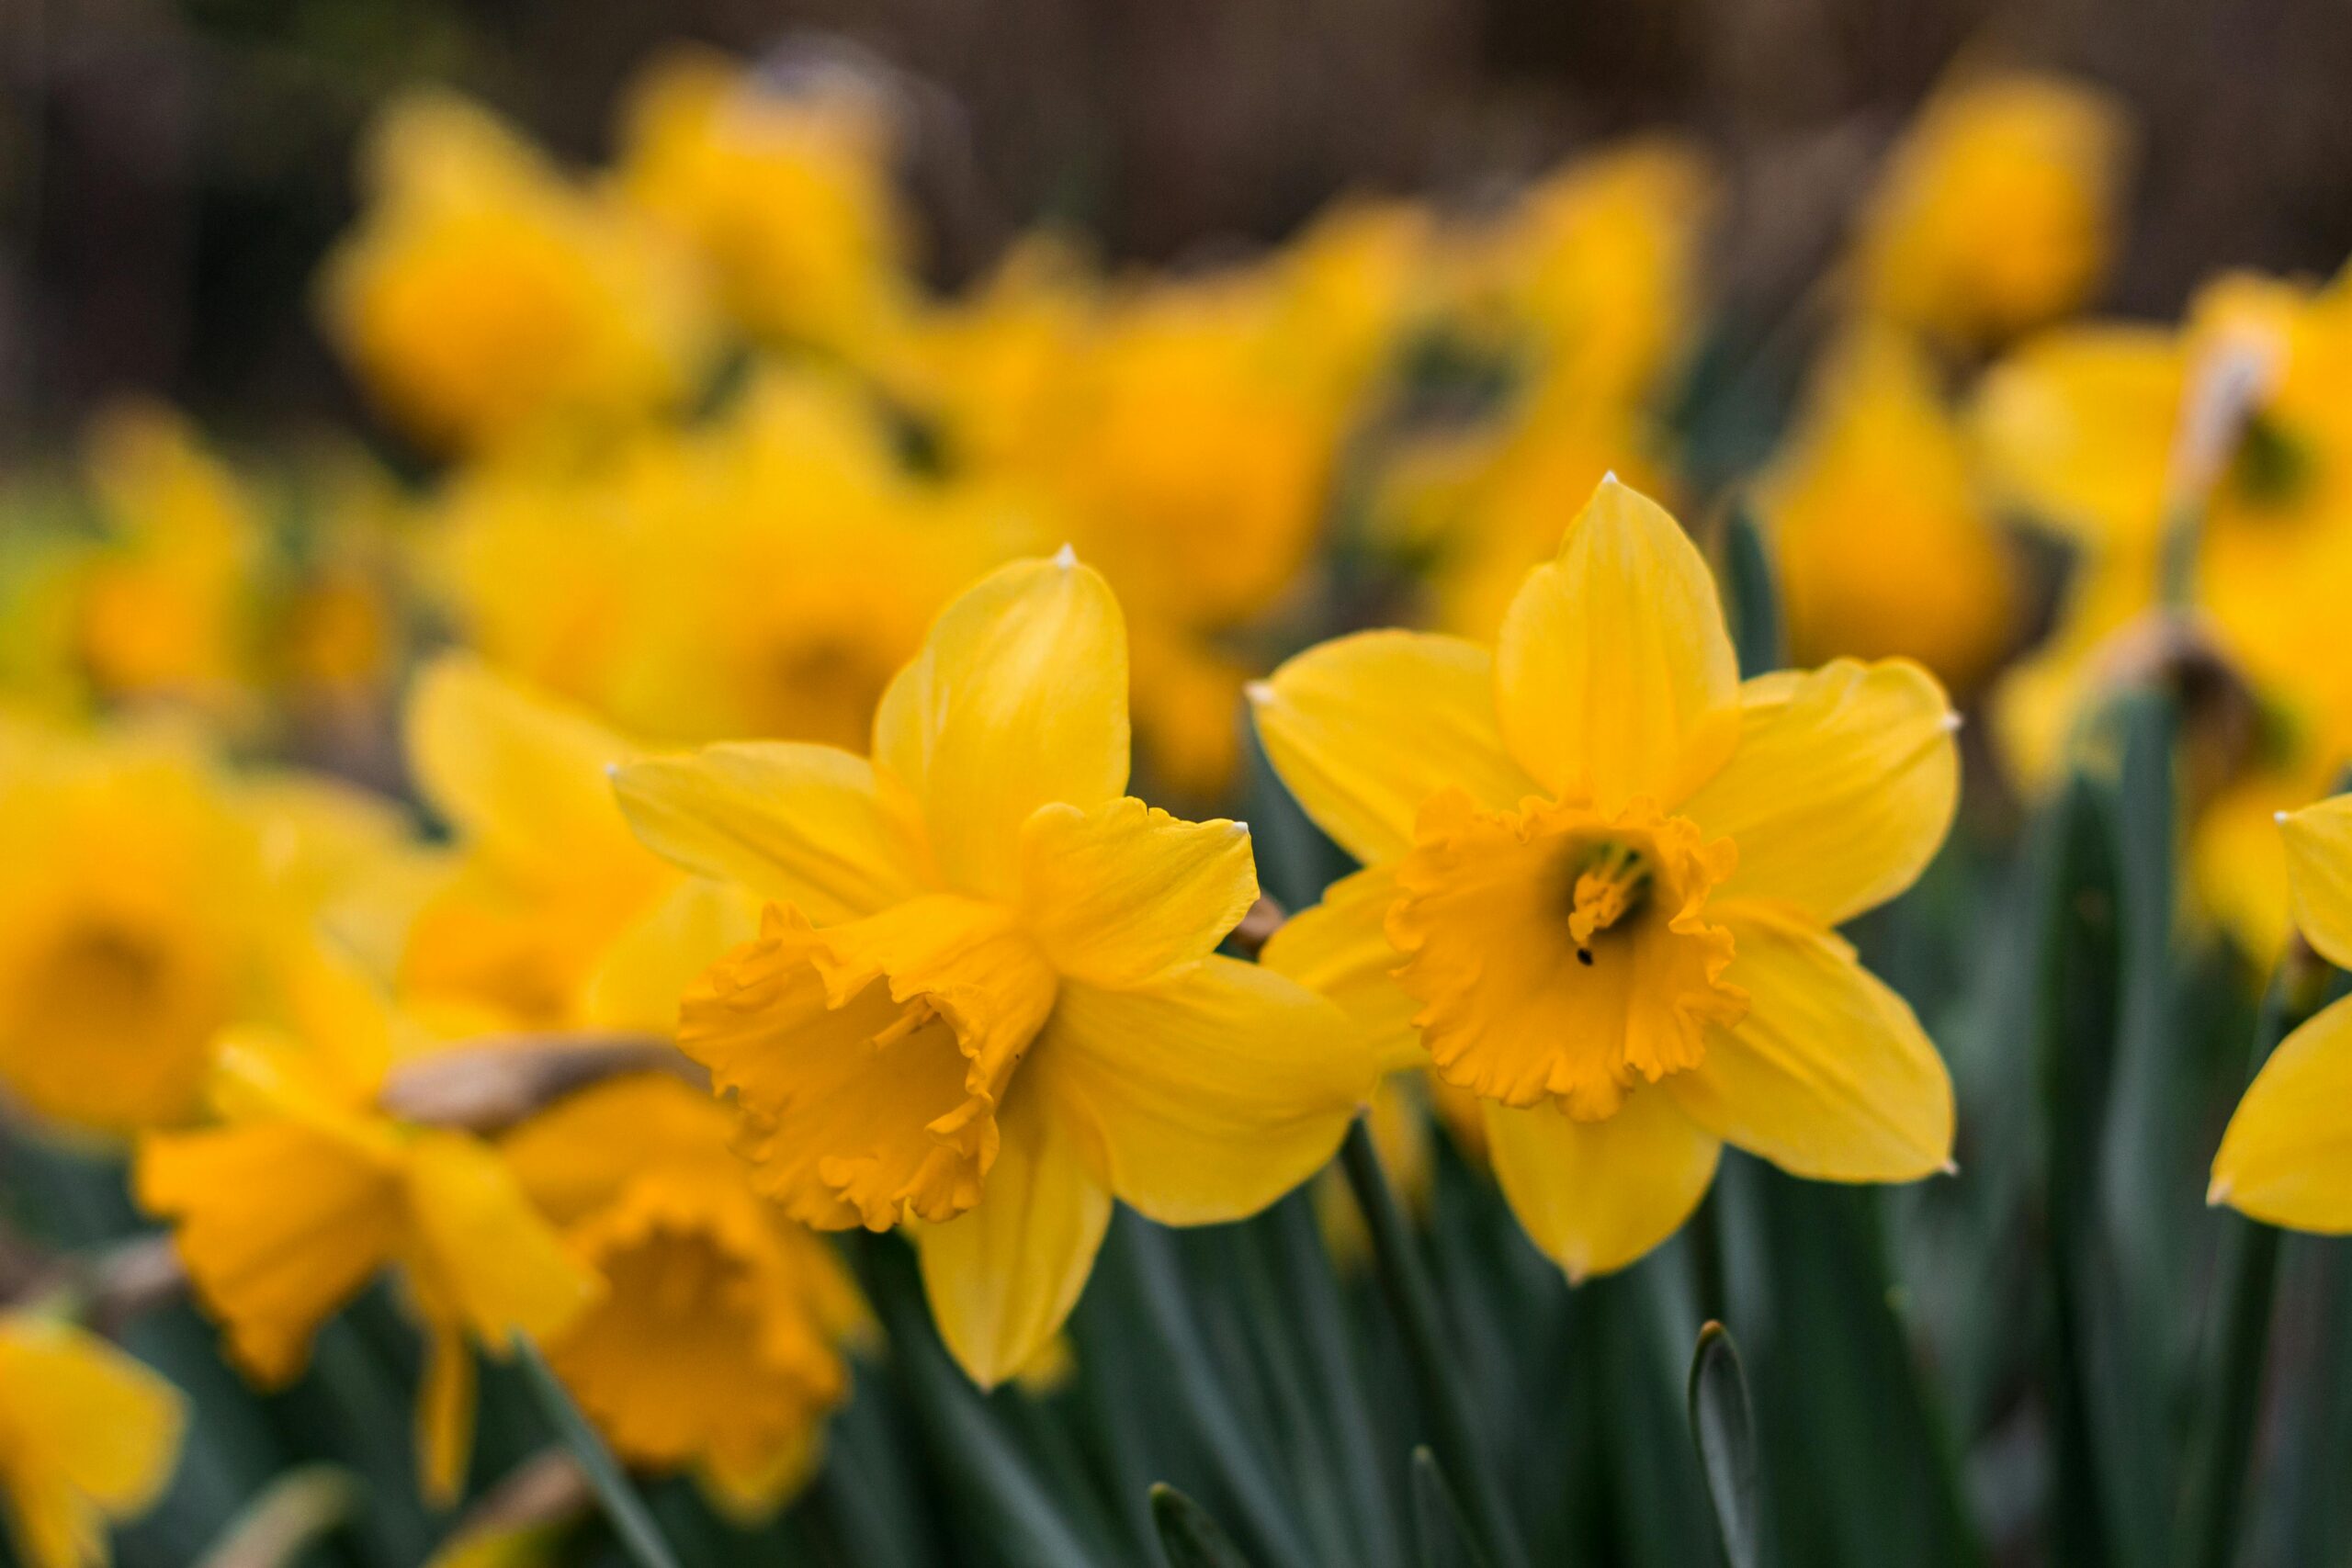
[52, 1524]
[445, 1416]
[278, 1224]
[1614, 676]
[521, 777]
[579, 1155]
[2319, 874]
[1830, 1075]
[1019, 698]
[1340, 950]
[2286, 1158]
[1595, 1196]
[649, 967]
[1841, 790]
[1364, 729]
[1208, 1095]
[797, 823]
[1126, 891]
[105, 1424]
[485, 1249]
[1002, 1278]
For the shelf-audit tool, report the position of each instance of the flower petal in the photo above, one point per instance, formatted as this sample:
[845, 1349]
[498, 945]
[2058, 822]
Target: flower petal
[1004, 1277]
[1340, 950]
[1363, 728]
[1208, 1095]
[1842, 787]
[1595, 1196]
[1019, 698]
[104, 1422]
[445, 1398]
[1830, 1075]
[520, 776]
[1614, 676]
[2286, 1158]
[794, 822]
[2319, 874]
[642, 975]
[1126, 891]
[488, 1252]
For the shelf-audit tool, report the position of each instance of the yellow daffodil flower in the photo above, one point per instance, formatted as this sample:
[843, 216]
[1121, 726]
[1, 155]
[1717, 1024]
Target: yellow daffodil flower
[1601, 878]
[304, 1192]
[2282, 1158]
[86, 1435]
[482, 295]
[1996, 211]
[146, 902]
[985, 998]
[1882, 545]
[784, 193]
[717, 1344]
[166, 608]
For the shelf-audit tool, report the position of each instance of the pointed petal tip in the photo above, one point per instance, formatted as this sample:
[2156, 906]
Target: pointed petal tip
[2280, 817]
[1949, 1168]
[1952, 722]
[2218, 1193]
[1067, 557]
[1259, 692]
[612, 770]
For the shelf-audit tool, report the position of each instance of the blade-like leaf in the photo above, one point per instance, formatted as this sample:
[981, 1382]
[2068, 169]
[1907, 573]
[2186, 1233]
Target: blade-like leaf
[1438, 1533]
[1187, 1534]
[1723, 1425]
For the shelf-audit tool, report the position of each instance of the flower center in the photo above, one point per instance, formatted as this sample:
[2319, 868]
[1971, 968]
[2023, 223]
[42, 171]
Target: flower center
[1559, 953]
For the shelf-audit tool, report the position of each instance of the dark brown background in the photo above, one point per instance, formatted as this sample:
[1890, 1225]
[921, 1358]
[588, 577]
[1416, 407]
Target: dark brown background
[170, 173]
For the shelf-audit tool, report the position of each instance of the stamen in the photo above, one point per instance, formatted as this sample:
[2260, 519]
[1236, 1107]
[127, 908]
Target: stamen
[1611, 887]
[906, 1023]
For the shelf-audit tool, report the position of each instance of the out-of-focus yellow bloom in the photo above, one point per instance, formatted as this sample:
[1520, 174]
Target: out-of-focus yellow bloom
[546, 877]
[783, 189]
[86, 1435]
[1601, 878]
[165, 607]
[986, 1000]
[2082, 431]
[717, 1342]
[1996, 211]
[1584, 293]
[1882, 545]
[2283, 1160]
[482, 295]
[763, 575]
[145, 903]
[304, 1192]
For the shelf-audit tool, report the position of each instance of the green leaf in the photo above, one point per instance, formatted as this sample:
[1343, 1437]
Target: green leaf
[1723, 1425]
[1187, 1534]
[622, 1505]
[1440, 1533]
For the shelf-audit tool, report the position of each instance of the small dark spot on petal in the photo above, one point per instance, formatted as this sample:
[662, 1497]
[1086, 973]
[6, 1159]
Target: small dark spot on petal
[1584, 957]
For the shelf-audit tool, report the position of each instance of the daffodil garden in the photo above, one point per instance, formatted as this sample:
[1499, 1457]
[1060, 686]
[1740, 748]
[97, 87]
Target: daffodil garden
[1409, 899]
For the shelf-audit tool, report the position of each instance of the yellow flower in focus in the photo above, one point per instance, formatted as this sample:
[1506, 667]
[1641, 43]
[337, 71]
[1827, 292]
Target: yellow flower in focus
[1601, 878]
[784, 190]
[717, 1343]
[146, 903]
[1881, 546]
[482, 295]
[2283, 1157]
[87, 1435]
[165, 609]
[304, 1192]
[986, 999]
[1996, 211]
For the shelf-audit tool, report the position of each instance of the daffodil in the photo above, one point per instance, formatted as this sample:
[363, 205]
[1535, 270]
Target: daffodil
[783, 189]
[717, 1343]
[304, 1192]
[2282, 1159]
[482, 295]
[87, 1435]
[986, 1000]
[1882, 545]
[147, 901]
[1996, 211]
[1602, 881]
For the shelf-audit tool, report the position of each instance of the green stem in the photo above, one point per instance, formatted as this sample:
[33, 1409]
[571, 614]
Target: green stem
[622, 1505]
[2247, 1278]
[1409, 1294]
